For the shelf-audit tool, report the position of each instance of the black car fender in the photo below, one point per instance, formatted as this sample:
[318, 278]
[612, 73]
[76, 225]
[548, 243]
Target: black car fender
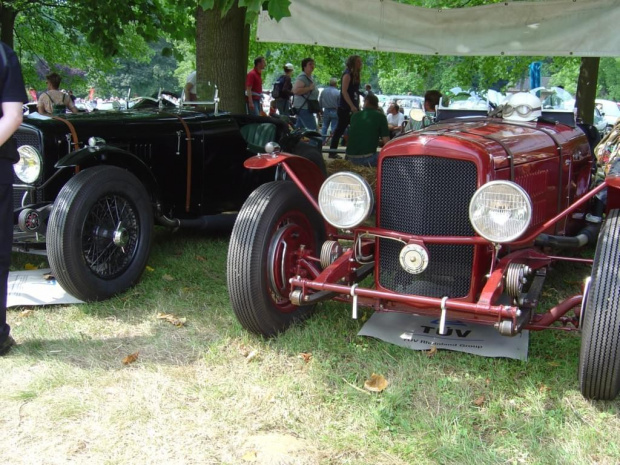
[88, 157]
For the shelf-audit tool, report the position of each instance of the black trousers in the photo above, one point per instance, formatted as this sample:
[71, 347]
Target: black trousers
[6, 243]
[344, 117]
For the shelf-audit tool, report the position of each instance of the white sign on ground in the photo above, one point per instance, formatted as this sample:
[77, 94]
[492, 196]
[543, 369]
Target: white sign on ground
[421, 333]
[36, 287]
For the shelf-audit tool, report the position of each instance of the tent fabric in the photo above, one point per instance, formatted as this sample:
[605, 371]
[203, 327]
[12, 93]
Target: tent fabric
[584, 28]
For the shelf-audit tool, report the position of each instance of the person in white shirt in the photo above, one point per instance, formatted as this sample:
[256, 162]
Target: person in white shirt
[395, 120]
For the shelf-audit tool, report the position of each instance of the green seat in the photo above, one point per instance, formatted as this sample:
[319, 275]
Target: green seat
[257, 135]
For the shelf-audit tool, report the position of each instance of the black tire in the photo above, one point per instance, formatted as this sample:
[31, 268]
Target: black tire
[312, 153]
[99, 233]
[273, 223]
[599, 360]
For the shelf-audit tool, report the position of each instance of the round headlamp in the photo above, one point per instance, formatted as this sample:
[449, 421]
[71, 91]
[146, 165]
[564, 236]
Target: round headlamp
[500, 211]
[345, 200]
[28, 168]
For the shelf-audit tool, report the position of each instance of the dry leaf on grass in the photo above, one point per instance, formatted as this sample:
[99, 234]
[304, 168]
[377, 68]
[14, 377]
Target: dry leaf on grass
[200, 258]
[243, 350]
[305, 356]
[249, 456]
[170, 318]
[432, 351]
[376, 383]
[479, 402]
[26, 313]
[251, 356]
[130, 358]
[30, 266]
[167, 277]
[149, 269]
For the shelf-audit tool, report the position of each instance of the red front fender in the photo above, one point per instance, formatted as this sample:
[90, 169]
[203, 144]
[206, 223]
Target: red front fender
[308, 174]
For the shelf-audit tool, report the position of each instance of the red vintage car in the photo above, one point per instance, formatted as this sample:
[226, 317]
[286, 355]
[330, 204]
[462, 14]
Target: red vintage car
[469, 214]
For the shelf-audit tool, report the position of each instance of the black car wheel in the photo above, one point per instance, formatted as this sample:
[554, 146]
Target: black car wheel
[275, 222]
[599, 361]
[312, 153]
[99, 233]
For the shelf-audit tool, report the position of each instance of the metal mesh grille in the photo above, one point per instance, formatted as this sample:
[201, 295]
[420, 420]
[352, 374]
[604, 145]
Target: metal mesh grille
[427, 195]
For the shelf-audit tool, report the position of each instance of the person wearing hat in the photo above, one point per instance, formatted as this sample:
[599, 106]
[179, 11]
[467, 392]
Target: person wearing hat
[283, 101]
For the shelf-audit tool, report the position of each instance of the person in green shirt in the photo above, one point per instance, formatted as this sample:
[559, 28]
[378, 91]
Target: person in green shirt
[368, 129]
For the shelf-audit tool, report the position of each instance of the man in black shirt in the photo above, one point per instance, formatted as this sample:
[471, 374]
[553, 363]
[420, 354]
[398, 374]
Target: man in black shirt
[12, 97]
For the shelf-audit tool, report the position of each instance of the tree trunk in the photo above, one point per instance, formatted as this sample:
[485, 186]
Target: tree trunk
[222, 55]
[586, 88]
[7, 24]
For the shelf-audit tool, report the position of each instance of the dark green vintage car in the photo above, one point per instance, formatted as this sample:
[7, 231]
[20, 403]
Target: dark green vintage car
[90, 187]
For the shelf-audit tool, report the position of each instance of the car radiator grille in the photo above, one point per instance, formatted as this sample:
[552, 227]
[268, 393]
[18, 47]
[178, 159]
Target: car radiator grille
[25, 137]
[427, 195]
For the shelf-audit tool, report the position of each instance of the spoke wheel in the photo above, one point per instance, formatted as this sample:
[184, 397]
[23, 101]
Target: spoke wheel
[99, 233]
[599, 361]
[275, 223]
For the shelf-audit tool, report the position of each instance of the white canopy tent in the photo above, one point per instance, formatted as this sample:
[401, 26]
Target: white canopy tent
[583, 28]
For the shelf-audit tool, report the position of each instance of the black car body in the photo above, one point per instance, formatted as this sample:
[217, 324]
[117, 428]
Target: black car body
[106, 177]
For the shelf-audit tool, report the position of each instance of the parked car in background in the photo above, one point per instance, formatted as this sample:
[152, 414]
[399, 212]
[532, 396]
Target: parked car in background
[599, 122]
[609, 110]
[90, 187]
[466, 219]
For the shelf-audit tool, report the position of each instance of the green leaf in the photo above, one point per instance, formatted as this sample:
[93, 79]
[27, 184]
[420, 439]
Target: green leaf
[279, 9]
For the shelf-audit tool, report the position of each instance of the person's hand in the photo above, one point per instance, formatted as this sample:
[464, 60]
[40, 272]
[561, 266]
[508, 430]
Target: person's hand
[311, 86]
[251, 105]
[354, 109]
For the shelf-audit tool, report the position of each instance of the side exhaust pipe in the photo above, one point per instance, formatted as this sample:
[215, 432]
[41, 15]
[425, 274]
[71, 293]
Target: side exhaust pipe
[587, 235]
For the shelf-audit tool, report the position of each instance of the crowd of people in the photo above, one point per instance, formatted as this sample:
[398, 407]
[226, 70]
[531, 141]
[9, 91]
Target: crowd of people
[366, 127]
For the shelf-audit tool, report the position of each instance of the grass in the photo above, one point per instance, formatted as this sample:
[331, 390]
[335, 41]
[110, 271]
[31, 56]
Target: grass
[209, 392]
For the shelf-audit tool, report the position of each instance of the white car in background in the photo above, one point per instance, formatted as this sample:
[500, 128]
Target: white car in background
[609, 111]
[598, 121]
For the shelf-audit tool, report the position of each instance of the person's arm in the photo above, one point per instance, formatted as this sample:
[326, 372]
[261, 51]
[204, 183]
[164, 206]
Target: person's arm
[41, 104]
[70, 105]
[299, 88]
[12, 117]
[248, 90]
[346, 81]
[287, 88]
[384, 132]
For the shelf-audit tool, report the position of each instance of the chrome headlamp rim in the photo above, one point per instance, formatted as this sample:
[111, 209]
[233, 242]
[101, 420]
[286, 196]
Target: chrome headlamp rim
[365, 191]
[28, 155]
[527, 203]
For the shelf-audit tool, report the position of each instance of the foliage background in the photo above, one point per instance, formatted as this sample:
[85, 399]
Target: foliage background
[150, 44]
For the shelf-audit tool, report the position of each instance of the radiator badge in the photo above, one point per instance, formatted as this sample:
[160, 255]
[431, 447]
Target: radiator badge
[414, 258]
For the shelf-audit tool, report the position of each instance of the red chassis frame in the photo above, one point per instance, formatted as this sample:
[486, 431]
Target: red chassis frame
[311, 284]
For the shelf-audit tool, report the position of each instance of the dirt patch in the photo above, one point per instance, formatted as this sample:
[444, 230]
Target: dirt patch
[278, 449]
